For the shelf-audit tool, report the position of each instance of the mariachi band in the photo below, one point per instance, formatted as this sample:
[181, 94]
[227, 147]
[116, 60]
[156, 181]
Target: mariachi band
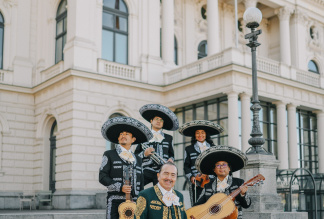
[208, 169]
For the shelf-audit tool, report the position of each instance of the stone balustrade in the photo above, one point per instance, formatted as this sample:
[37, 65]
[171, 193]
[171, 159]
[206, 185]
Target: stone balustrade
[119, 70]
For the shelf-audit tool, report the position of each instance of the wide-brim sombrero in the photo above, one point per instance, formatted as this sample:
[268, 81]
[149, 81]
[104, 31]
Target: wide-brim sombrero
[206, 161]
[112, 128]
[149, 111]
[189, 128]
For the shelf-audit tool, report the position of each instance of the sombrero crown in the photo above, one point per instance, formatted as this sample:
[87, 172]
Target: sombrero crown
[113, 127]
[206, 161]
[149, 111]
[189, 128]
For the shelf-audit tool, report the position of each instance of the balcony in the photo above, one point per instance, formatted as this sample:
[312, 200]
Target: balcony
[236, 57]
[119, 70]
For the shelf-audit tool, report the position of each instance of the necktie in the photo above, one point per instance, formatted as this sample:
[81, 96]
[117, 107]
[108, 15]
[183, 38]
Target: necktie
[126, 155]
[169, 198]
[221, 185]
[203, 148]
[157, 137]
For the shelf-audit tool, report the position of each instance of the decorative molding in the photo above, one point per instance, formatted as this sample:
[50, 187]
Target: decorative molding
[10, 3]
[284, 13]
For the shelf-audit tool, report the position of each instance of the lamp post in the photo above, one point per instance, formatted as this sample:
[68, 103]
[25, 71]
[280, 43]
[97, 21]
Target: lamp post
[252, 17]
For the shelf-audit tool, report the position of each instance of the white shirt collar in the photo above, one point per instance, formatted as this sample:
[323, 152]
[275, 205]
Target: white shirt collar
[225, 179]
[124, 149]
[160, 131]
[163, 191]
[201, 144]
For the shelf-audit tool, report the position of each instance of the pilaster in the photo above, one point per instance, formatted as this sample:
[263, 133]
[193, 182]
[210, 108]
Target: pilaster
[246, 126]
[282, 141]
[213, 27]
[292, 137]
[233, 138]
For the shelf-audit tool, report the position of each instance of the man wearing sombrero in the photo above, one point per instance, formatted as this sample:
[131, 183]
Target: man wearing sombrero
[123, 131]
[222, 161]
[200, 132]
[161, 144]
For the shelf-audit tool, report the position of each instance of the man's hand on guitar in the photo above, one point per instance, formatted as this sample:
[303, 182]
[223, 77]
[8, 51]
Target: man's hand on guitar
[126, 189]
[148, 151]
[243, 190]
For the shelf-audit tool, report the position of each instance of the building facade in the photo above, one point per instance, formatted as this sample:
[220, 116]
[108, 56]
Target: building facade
[69, 65]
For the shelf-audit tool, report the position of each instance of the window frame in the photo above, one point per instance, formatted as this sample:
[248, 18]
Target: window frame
[61, 17]
[116, 13]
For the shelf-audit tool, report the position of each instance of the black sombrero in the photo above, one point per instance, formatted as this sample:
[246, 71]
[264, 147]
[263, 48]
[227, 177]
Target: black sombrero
[205, 162]
[113, 127]
[149, 111]
[189, 128]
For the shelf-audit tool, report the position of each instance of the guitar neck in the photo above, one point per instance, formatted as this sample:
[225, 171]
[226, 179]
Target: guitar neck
[128, 195]
[235, 193]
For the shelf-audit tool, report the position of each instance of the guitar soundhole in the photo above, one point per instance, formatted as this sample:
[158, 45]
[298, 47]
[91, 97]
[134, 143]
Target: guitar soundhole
[215, 209]
[128, 213]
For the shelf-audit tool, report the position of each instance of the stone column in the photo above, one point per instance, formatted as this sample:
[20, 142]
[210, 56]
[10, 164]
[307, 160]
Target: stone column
[233, 128]
[282, 141]
[250, 3]
[320, 140]
[284, 17]
[168, 31]
[292, 137]
[246, 127]
[298, 39]
[213, 27]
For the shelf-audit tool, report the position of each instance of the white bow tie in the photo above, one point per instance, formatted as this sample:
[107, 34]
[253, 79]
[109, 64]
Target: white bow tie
[203, 148]
[157, 137]
[169, 198]
[126, 155]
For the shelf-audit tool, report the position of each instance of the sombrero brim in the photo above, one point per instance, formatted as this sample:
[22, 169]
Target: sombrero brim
[189, 128]
[149, 111]
[112, 128]
[206, 161]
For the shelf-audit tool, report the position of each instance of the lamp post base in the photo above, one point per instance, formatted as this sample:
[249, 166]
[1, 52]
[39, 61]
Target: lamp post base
[266, 203]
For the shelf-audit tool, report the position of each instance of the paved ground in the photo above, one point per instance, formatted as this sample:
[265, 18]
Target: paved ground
[53, 214]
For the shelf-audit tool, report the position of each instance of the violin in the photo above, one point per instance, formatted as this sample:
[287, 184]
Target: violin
[202, 180]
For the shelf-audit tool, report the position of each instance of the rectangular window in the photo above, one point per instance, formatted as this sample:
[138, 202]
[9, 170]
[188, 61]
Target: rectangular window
[214, 110]
[121, 52]
[107, 45]
[307, 140]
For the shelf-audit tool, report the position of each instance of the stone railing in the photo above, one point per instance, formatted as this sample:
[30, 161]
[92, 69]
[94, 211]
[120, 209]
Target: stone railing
[268, 66]
[119, 70]
[195, 68]
[234, 56]
[6, 77]
[309, 78]
[52, 71]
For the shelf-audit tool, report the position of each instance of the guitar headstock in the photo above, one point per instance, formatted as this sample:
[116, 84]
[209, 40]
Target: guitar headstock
[255, 180]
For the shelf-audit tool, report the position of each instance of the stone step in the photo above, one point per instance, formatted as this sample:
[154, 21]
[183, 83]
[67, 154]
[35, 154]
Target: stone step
[54, 214]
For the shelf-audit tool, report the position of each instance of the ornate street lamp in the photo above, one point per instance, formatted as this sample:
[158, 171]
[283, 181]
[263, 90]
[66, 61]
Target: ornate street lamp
[252, 18]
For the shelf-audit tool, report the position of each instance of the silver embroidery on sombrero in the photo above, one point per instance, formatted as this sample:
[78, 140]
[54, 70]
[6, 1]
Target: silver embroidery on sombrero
[123, 120]
[164, 110]
[204, 123]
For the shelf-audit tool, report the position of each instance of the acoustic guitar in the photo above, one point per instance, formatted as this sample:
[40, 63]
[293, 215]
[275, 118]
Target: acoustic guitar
[126, 209]
[219, 205]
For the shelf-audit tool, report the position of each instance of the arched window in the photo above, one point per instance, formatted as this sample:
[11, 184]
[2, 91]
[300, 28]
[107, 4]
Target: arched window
[175, 51]
[312, 67]
[202, 49]
[1, 40]
[110, 145]
[115, 31]
[52, 139]
[61, 18]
